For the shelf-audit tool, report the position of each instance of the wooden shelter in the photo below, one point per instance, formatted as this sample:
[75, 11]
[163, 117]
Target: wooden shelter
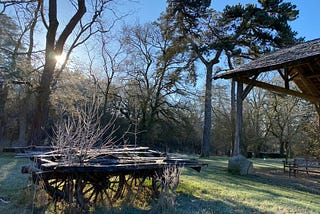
[299, 64]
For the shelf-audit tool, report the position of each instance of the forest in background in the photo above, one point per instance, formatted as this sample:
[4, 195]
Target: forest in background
[148, 78]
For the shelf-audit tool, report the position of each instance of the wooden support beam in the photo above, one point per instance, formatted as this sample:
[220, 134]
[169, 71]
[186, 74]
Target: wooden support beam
[239, 121]
[249, 87]
[281, 74]
[293, 76]
[286, 78]
[278, 89]
[284, 73]
[312, 75]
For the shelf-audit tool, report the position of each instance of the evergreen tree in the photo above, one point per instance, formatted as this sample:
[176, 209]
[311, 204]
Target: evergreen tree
[239, 31]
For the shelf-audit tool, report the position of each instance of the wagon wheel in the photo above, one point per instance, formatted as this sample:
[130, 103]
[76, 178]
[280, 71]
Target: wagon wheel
[135, 180]
[165, 180]
[59, 188]
[98, 189]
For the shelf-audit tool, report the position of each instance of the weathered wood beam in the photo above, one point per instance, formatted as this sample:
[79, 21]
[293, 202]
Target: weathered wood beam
[249, 87]
[312, 75]
[278, 89]
[239, 120]
[293, 76]
[281, 74]
[310, 67]
[308, 85]
[284, 73]
[286, 78]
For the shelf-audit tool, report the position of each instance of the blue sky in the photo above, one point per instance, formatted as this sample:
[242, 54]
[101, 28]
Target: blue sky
[307, 25]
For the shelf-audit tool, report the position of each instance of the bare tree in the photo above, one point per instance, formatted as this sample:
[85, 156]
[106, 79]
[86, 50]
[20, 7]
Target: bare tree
[156, 72]
[284, 121]
[55, 45]
[76, 134]
[109, 68]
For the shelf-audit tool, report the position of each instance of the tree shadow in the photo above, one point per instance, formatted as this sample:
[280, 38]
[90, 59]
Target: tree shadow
[271, 182]
[267, 176]
[193, 204]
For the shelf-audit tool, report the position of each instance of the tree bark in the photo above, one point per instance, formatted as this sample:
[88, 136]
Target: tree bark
[43, 97]
[53, 48]
[3, 99]
[206, 137]
[282, 148]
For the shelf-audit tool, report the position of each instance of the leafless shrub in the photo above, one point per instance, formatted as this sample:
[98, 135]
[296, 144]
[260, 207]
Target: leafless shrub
[169, 180]
[76, 134]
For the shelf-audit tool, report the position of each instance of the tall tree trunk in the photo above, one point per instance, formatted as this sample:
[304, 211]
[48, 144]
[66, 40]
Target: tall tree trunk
[239, 121]
[22, 128]
[53, 48]
[206, 137]
[3, 99]
[43, 97]
[282, 147]
[42, 104]
[23, 118]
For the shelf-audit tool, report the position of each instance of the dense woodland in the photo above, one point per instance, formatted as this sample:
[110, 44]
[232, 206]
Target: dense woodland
[153, 81]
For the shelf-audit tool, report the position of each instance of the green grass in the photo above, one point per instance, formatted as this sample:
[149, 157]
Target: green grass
[14, 190]
[220, 192]
[213, 190]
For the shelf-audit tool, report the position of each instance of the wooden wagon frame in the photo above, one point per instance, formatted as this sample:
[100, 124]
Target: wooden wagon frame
[103, 175]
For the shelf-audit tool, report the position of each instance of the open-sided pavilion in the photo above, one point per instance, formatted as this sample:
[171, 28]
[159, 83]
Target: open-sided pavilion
[299, 64]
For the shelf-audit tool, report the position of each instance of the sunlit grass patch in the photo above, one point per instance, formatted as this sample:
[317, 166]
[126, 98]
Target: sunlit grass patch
[224, 192]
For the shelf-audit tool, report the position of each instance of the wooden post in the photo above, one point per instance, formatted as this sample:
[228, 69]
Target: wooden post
[233, 115]
[238, 163]
[238, 135]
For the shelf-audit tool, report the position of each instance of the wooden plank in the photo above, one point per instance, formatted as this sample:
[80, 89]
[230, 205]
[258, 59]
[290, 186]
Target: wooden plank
[108, 161]
[279, 89]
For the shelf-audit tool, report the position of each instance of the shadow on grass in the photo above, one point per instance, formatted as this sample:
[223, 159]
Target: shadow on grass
[268, 190]
[192, 204]
[217, 170]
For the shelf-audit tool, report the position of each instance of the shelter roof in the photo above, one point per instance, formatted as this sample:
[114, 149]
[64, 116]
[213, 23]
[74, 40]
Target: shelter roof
[299, 63]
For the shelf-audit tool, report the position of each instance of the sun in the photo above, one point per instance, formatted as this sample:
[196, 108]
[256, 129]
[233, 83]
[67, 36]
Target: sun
[60, 59]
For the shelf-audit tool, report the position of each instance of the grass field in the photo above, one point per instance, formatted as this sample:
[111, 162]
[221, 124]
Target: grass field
[213, 190]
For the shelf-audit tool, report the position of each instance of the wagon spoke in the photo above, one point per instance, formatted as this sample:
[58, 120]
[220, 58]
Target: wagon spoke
[59, 188]
[88, 190]
[115, 188]
[93, 194]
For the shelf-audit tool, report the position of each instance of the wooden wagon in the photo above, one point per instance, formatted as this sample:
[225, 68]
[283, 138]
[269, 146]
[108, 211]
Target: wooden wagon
[103, 175]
